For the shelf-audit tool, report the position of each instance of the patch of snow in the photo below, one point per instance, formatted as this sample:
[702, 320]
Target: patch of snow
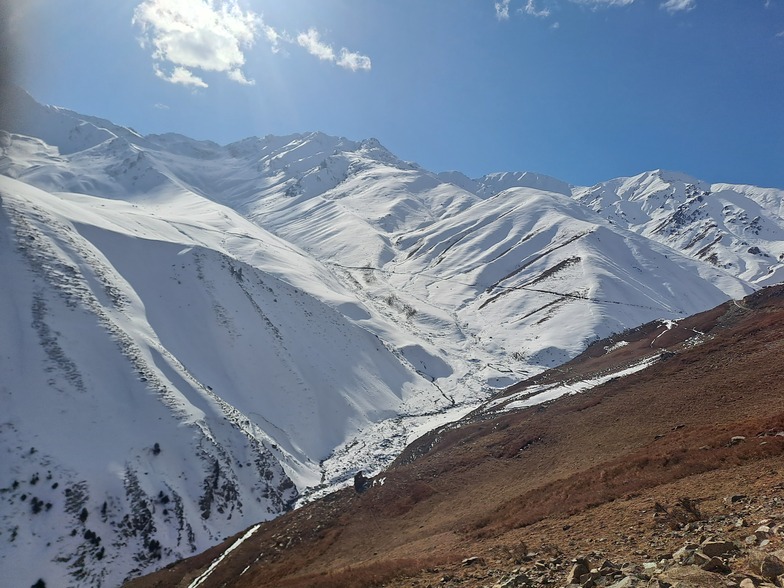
[208, 572]
[539, 394]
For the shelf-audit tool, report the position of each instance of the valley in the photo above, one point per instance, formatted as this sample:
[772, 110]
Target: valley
[198, 338]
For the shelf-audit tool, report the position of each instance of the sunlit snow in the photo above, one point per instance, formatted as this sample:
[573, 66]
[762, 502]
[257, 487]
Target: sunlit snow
[197, 337]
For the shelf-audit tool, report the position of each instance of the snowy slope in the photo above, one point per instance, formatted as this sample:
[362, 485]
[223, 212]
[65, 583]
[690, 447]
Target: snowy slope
[281, 312]
[177, 373]
[538, 277]
[733, 227]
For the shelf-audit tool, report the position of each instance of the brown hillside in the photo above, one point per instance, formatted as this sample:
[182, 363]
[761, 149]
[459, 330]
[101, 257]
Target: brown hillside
[578, 475]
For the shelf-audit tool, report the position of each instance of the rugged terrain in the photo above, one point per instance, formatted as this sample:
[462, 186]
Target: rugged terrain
[196, 335]
[685, 451]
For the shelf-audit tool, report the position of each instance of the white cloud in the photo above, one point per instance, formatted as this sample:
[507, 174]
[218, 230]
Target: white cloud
[274, 37]
[535, 8]
[161, 106]
[781, 34]
[672, 6]
[185, 35]
[603, 3]
[353, 61]
[530, 8]
[502, 10]
[180, 75]
[236, 75]
[312, 43]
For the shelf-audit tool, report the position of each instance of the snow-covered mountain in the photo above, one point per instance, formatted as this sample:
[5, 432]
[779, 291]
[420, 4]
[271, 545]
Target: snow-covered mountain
[169, 375]
[735, 228]
[195, 336]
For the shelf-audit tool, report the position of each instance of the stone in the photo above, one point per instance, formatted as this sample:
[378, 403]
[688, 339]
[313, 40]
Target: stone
[767, 565]
[715, 564]
[627, 582]
[771, 567]
[736, 498]
[692, 577]
[574, 575]
[629, 569]
[762, 532]
[516, 580]
[716, 548]
[747, 583]
[685, 552]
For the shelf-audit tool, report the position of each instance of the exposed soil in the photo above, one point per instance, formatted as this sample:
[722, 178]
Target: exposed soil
[579, 475]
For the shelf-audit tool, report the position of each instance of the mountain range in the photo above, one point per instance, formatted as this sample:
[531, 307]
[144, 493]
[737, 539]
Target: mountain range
[198, 337]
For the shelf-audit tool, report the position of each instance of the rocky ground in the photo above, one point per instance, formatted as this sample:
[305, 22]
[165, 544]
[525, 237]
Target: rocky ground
[711, 541]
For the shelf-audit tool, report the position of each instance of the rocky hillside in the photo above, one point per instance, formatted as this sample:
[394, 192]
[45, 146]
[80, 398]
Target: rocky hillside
[670, 474]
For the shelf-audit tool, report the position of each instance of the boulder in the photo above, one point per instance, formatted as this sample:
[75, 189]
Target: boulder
[766, 565]
[578, 570]
[692, 577]
[698, 558]
[715, 564]
[361, 482]
[627, 582]
[717, 547]
[771, 567]
[685, 552]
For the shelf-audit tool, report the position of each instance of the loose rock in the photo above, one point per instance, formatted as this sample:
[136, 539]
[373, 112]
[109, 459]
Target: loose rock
[716, 548]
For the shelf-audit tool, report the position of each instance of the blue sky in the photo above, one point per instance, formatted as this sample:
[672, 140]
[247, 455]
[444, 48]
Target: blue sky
[584, 90]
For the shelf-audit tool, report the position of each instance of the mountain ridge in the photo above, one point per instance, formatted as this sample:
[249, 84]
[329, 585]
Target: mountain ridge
[309, 301]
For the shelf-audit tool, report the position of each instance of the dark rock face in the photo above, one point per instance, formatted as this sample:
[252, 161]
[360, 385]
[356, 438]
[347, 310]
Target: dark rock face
[361, 482]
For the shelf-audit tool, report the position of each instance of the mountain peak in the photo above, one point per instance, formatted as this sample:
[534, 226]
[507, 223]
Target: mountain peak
[674, 176]
[497, 182]
[240, 325]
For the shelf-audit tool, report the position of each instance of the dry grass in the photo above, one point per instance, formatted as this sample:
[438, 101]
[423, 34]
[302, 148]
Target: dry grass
[702, 450]
[365, 575]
